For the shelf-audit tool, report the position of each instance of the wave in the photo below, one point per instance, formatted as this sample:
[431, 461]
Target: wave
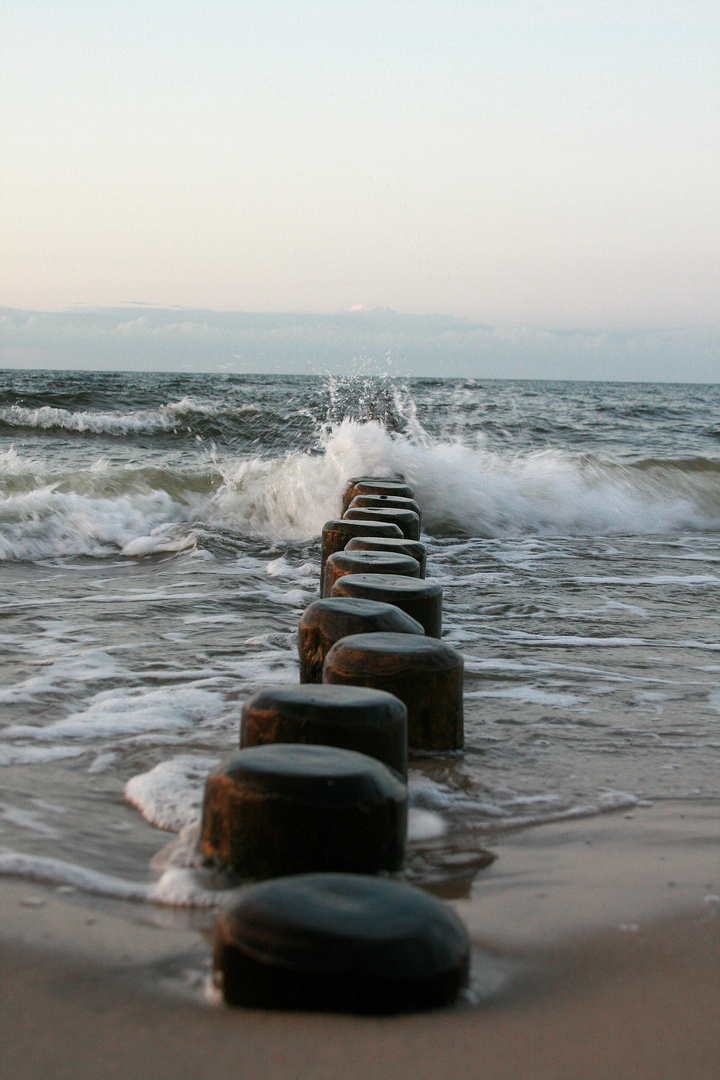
[465, 490]
[183, 418]
[142, 421]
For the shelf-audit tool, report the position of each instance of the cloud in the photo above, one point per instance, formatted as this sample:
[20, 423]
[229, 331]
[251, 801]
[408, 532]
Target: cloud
[132, 326]
[302, 343]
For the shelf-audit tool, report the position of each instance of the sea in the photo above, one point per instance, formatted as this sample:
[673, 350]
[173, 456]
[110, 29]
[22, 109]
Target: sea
[160, 539]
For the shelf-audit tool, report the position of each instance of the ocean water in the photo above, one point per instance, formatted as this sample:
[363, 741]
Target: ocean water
[159, 540]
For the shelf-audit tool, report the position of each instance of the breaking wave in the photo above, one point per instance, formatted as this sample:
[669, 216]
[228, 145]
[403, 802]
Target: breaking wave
[464, 490]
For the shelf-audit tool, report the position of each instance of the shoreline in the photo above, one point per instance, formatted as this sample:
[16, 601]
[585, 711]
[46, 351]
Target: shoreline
[614, 871]
[548, 884]
[596, 952]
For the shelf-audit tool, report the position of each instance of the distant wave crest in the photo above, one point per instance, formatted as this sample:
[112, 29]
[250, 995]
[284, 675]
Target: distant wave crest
[170, 418]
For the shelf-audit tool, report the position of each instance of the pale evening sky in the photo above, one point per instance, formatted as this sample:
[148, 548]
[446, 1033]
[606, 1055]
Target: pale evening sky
[517, 163]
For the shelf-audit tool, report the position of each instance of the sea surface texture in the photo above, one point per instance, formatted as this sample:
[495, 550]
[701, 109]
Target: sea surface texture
[159, 540]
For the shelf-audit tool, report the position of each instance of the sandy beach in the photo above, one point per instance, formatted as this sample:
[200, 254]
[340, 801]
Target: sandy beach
[642, 1005]
[596, 953]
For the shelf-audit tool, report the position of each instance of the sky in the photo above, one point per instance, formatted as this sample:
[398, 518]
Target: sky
[530, 167]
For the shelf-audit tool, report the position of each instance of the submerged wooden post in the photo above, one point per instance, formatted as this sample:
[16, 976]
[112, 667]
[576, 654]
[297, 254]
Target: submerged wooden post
[384, 543]
[326, 621]
[293, 809]
[424, 673]
[407, 520]
[386, 502]
[359, 718]
[420, 599]
[359, 485]
[336, 534]
[368, 562]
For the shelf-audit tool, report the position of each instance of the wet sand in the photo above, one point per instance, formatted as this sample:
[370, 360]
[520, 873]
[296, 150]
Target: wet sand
[597, 954]
[611, 871]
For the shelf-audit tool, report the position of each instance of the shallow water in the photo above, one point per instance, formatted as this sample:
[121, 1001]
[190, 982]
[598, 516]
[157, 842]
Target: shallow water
[159, 540]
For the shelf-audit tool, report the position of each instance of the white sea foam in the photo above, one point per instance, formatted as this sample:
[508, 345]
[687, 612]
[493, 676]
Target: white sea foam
[102, 762]
[90, 666]
[529, 695]
[286, 498]
[177, 887]
[50, 871]
[607, 802]
[26, 819]
[37, 755]
[654, 579]
[424, 825]
[115, 713]
[509, 811]
[574, 640]
[158, 542]
[47, 523]
[169, 796]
